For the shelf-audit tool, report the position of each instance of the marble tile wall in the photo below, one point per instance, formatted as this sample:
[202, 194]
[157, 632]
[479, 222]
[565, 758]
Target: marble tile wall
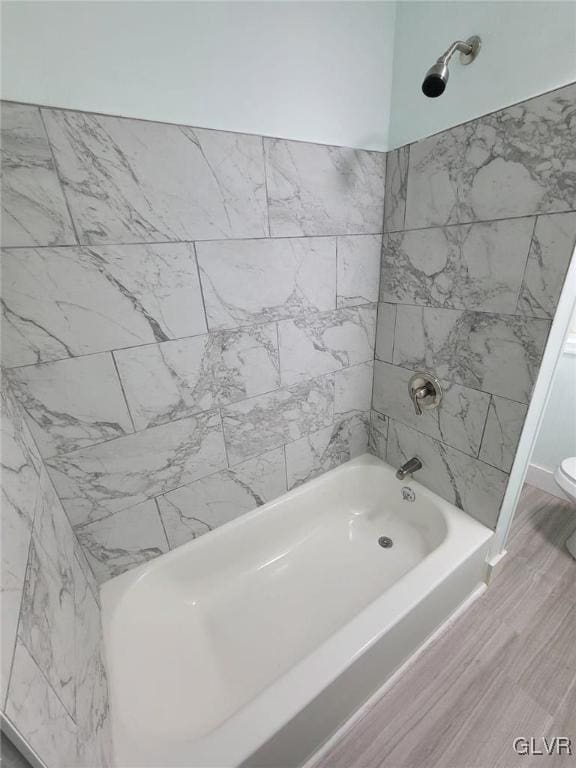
[189, 324]
[480, 226]
[53, 680]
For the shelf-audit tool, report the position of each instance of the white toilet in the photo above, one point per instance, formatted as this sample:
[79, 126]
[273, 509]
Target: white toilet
[565, 477]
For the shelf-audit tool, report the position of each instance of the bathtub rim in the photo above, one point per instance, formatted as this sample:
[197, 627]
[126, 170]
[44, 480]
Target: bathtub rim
[239, 736]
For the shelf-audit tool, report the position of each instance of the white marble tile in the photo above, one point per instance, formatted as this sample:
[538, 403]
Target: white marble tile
[33, 207]
[502, 433]
[353, 389]
[499, 354]
[139, 181]
[458, 421]
[20, 486]
[320, 190]
[472, 266]
[195, 509]
[92, 707]
[321, 451]
[96, 481]
[319, 343]
[472, 485]
[515, 162]
[64, 302]
[262, 423]
[168, 381]
[53, 528]
[87, 571]
[385, 326]
[39, 715]
[550, 254]
[358, 273]
[47, 622]
[257, 281]
[378, 437]
[395, 195]
[16, 532]
[72, 403]
[123, 540]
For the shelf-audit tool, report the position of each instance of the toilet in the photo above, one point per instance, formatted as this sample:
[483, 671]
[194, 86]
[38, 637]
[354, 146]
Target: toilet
[565, 477]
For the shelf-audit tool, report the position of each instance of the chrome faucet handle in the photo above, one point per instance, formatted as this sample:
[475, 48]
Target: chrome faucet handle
[425, 391]
[418, 394]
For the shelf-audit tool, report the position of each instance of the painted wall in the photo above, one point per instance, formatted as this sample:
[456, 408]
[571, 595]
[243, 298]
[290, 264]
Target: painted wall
[189, 318]
[480, 230]
[528, 48]
[54, 688]
[314, 71]
[557, 437]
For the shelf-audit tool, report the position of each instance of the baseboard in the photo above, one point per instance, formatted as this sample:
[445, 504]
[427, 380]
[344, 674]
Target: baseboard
[543, 478]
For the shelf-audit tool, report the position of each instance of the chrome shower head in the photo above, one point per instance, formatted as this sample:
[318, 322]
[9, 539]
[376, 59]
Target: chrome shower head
[435, 80]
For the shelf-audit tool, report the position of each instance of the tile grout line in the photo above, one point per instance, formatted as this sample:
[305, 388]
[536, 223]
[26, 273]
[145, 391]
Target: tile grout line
[157, 505]
[201, 288]
[521, 284]
[207, 332]
[121, 384]
[265, 165]
[59, 178]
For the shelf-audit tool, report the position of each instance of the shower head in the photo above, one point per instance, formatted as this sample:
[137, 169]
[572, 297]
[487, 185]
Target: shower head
[435, 80]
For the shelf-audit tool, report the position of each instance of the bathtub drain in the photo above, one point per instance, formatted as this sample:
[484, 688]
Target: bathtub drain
[385, 542]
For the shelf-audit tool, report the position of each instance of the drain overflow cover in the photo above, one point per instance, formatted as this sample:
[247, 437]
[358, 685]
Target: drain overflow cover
[385, 542]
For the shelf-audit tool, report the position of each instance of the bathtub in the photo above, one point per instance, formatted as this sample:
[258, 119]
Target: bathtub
[253, 644]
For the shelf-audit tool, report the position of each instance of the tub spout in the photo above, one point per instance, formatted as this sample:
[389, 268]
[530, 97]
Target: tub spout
[411, 466]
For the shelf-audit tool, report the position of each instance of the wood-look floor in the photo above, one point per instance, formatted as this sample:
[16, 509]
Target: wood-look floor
[506, 668]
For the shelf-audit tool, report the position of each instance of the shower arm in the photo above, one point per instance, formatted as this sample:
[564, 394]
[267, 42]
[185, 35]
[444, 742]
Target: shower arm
[459, 45]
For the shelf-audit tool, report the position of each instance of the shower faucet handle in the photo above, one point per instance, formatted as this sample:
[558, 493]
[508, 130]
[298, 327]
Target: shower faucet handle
[425, 391]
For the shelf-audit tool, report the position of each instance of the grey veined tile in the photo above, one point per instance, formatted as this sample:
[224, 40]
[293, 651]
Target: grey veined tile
[130, 181]
[395, 195]
[458, 421]
[202, 506]
[96, 481]
[515, 162]
[72, 403]
[378, 436]
[39, 714]
[321, 190]
[92, 695]
[502, 433]
[385, 327]
[262, 423]
[47, 621]
[168, 381]
[33, 207]
[256, 281]
[314, 344]
[123, 540]
[326, 449]
[472, 266]
[20, 487]
[470, 484]
[65, 302]
[358, 270]
[550, 253]
[353, 389]
[499, 354]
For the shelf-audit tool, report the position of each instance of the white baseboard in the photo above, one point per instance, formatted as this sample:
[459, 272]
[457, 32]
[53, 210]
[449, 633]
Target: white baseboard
[543, 478]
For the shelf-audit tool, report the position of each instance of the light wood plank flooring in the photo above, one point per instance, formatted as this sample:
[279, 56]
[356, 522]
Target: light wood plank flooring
[504, 669]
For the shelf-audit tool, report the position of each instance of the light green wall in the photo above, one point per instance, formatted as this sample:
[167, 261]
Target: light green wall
[527, 48]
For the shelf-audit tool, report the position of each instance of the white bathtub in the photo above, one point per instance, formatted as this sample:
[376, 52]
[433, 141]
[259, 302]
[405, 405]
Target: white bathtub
[250, 646]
